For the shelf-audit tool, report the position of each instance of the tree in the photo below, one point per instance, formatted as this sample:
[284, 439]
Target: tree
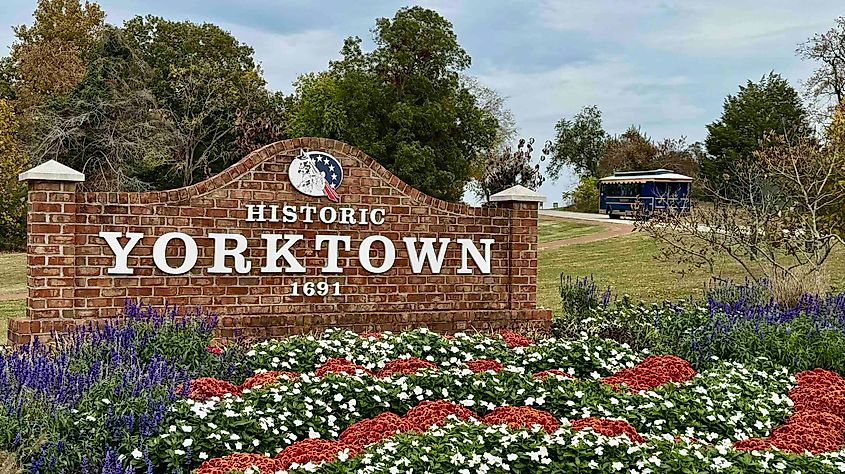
[111, 127]
[774, 221]
[760, 108]
[12, 192]
[579, 143]
[828, 48]
[206, 84]
[49, 56]
[510, 167]
[634, 150]
[403, 103]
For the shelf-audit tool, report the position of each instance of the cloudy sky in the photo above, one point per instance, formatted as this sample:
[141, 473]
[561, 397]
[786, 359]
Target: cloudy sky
[665, 65]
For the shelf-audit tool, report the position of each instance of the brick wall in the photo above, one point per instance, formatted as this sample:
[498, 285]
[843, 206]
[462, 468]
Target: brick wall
[68, 260]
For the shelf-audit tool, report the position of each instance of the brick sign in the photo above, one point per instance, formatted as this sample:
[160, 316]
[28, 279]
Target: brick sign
[301, 235]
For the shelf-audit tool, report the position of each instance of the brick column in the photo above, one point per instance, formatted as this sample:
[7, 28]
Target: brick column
[523, 204]
[51, 221]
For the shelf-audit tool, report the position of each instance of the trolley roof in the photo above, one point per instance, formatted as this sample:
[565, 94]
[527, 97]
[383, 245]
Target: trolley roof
[661, 175]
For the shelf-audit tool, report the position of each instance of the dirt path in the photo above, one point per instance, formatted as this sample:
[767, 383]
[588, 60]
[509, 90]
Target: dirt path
[13, 296]
[609, 231]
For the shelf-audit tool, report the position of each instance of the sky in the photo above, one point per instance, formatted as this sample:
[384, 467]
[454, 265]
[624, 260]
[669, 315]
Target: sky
[665, 65]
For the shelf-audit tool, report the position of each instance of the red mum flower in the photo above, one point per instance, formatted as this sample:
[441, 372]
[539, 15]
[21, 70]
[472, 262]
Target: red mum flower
[819, 390]
[652, 372]
[214, 350]
[514, 339]
[404, 366]
[366, 335]
[753, 444]
[314, 451]
[547, 373]
[608, 428]
[483, 365]
[238, 462]
[340, 366]
[266, 378]
[522, 417]
[434, 413]
[373, 430]
[204, 388]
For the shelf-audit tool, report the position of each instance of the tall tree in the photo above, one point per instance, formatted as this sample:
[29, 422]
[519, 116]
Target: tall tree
[759, 108]
[579, 143]
[12, 193]
[828, 48]
[49, 56]
[403, 103]
[634, 150]
[111, 126]
[206, 83]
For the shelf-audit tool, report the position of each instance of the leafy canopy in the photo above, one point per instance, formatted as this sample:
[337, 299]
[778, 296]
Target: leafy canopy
[403, 103]
[579, 143]
[759, 108]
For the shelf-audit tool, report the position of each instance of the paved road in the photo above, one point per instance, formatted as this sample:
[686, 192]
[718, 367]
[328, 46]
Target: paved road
[583, 216]
[610, 228]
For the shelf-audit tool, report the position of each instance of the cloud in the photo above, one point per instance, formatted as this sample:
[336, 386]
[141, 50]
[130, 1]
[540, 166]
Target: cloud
[283, 57]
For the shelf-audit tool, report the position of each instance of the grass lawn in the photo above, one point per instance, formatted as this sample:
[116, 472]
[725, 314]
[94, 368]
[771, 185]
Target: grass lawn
[628, 265]
[12, 273]
[559, 229]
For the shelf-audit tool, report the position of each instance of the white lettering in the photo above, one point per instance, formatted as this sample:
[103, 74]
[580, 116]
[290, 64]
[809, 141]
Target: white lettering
[418, 258]
[221, 252]
[377, 216]
[121, 253]
[328, 215]
[364, 254]
[274, 252]
[160, 253]
[332, 259]
[467, 245]
[255, 213]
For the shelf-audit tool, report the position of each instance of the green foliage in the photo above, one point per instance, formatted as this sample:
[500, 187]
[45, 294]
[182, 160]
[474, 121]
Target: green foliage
[12, 192]
[403, 103]
[206, 83]
[740, 326]
[585, 196]
[770, 105]
[579, 143]
[110, 126]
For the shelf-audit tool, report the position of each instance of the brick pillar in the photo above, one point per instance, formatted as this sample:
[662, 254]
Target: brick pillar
[51, 221]
[523, 204]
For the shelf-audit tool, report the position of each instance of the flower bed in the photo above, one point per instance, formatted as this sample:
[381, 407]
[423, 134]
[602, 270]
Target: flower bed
[408, 402]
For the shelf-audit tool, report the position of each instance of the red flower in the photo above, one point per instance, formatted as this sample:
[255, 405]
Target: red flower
[819, 390]
[214, 350]
[483, 365]
[366, 335]
[204, 388]
[434, 413]
[522, 417]
[652, 372]
[266, 378]
[514, 339]
[816, 424]
[340, 366]
[238, 462]
[753, 444]
[608, 428]
[547, 373]
[404, 366]
[373, 430]
[312, 450]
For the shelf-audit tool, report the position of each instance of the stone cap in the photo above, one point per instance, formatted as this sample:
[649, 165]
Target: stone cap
[52, 171]
[517, 193]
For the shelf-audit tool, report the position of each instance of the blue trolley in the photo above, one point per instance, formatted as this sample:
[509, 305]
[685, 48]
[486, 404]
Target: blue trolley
[641, 193]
